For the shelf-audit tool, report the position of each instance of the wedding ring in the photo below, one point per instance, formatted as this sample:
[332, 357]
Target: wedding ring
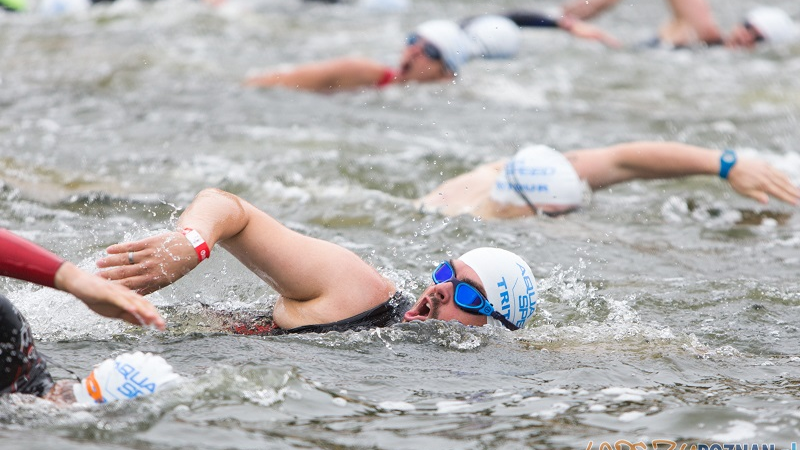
[130, 257]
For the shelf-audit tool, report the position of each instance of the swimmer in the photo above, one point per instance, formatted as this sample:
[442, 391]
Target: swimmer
[539, 179]
[566, 22]
[434, 52]
[322, 286]
[24, 370]
[692, 23]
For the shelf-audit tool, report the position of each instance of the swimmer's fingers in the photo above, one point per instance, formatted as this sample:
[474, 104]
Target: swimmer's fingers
[107, 299]
[136, 277]
[759, 180]
[782, 188]
[144, 313]
[588, 31]
[121, 303]
[149, 264]
[154, 242]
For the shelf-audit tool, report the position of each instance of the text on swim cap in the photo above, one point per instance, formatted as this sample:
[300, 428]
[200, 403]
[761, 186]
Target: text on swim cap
[505, 303]
[135, 383]
[502, 185]
[526, 301]
[541, 171]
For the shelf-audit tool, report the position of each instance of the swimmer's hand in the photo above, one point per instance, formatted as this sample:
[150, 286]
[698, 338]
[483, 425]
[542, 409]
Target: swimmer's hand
[585, 30]
[759, 180]
[158, 261]
[107, 299]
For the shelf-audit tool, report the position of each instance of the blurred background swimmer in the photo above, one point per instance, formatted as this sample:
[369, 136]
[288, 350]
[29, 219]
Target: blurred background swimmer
[693, 23]
[435, 52]
[567, 22]
[539, 179]
[24, 369]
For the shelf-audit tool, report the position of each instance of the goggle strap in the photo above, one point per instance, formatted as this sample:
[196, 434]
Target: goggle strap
[515, 184]
[496, 315]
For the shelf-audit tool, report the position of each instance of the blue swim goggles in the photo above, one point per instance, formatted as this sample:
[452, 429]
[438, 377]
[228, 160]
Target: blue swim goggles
[467, 296]
[428, 49]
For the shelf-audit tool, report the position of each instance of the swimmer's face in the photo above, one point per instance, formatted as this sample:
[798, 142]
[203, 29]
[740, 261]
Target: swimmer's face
[744, 35]
[422, 62]
[436, 302]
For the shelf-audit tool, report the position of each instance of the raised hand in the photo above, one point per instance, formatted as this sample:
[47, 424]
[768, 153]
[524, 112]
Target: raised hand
[149, 264]
[759, 180]
[107, 299]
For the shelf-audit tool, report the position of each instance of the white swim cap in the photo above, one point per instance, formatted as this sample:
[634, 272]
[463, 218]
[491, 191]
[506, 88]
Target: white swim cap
[127, 376]
[450, 39]
[774, 24]
[493, 36]
[508, 281]
[543, 175]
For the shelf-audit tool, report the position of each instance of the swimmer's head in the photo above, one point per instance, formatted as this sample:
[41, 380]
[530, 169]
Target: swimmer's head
[772, 24]
[493, 36]
[449, 39]
[508, 281]
[111, 379]
[540, 176]
[501, 277]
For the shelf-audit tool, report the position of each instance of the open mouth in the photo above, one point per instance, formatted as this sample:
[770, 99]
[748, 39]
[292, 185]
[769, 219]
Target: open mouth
[405, 68]
[421, 311]
[424, 307]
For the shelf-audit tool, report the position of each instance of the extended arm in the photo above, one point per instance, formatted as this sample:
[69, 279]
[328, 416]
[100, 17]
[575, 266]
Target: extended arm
[24, 260]
[753, 178]
[298, 267]
[569, 23]
[326, 76]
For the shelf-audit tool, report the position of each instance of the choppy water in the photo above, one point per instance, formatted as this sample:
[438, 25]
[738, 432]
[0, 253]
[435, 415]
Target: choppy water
[662, 315]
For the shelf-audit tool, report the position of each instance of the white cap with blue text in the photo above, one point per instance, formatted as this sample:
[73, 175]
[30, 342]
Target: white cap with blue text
[508, 280]
[127, 376]
[543, 175]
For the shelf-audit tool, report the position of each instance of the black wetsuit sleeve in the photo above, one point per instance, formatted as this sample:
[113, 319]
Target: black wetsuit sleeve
[532, 19]
[22, 369]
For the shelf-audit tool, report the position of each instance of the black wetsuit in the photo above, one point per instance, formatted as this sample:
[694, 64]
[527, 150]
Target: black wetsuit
[22, 368]
[383, 315]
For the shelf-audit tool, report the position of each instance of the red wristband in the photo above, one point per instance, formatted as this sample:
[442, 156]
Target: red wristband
[200, 245]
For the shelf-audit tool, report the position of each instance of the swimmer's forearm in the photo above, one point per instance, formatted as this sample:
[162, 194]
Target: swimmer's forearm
[215, 214]
[325, 76]
[604, 167]
[749, 177]
[665, 159]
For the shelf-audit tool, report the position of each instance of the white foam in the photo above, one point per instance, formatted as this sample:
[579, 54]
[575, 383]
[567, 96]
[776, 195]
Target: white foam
[631, 416]
[396, 406]
[738, 431]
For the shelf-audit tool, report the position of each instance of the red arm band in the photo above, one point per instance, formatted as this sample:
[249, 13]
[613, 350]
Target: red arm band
[24, 260]
[388, 77]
